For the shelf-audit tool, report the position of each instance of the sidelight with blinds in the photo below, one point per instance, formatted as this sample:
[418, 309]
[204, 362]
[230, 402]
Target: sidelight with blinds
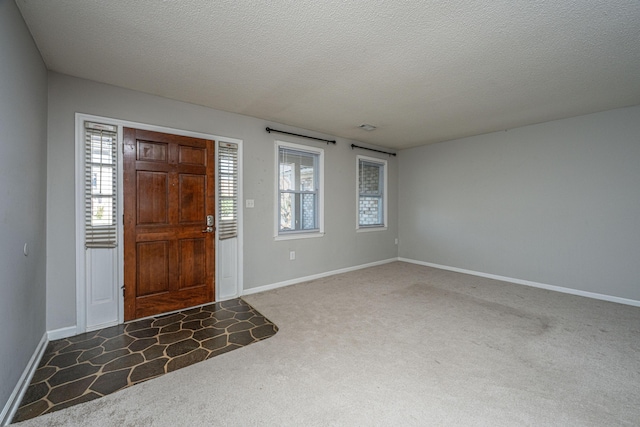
[227, 190]
[100, 185]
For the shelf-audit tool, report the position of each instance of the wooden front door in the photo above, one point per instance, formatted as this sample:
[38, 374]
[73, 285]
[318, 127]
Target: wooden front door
[169, 190]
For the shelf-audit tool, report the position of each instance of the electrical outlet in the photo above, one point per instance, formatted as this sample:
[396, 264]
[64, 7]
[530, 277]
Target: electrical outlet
[292, 255]
[249, 203]
[396, 240]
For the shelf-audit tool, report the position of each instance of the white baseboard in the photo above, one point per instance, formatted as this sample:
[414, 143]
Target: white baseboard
[20, 389]
[58, 334]
[571, 291]
[314, 277]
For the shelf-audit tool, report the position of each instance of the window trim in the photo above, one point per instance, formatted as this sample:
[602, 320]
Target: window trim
[385, 194]
[298, 234]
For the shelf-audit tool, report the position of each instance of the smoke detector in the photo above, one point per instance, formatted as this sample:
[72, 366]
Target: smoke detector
[367, 127]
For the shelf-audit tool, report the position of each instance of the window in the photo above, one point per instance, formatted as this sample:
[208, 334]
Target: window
[299, 204]
[372, 189]
[227, 190]
[100, 184]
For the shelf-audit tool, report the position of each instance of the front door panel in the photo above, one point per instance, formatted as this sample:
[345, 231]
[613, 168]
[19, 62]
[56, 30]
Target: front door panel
[169, 250]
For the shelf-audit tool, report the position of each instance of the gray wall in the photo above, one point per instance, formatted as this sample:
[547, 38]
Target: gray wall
[265, 261]
[23, 137]
[556, 203]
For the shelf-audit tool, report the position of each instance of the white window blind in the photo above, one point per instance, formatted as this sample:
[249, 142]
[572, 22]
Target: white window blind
[227, 190]
[100, 185]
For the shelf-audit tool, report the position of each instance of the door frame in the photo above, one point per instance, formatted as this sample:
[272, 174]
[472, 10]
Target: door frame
[81, 254]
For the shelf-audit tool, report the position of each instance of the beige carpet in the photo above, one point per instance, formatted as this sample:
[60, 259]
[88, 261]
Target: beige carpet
[404, 345]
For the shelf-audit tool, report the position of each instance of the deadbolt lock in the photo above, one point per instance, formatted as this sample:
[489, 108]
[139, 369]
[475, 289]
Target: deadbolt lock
[210, 223]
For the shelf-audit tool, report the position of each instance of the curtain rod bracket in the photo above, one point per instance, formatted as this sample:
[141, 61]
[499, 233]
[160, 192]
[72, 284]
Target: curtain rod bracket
[303, 136]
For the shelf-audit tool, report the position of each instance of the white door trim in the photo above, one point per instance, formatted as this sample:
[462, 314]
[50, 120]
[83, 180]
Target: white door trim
[81, 294]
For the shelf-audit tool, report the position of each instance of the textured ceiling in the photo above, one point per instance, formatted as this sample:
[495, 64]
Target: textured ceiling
[421, 71]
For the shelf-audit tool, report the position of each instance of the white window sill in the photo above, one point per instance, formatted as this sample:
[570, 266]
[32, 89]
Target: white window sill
[368, 229]
[295, 236]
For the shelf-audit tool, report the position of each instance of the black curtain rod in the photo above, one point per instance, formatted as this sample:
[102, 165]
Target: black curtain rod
[303, 136]
[371, 149]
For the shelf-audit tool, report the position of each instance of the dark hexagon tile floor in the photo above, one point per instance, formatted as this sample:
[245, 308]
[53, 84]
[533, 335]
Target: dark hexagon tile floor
[88, 366]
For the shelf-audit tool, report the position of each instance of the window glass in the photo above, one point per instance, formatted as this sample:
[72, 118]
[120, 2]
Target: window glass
[101, 141]
[371, 193]
[298, 189]
[227, 190]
